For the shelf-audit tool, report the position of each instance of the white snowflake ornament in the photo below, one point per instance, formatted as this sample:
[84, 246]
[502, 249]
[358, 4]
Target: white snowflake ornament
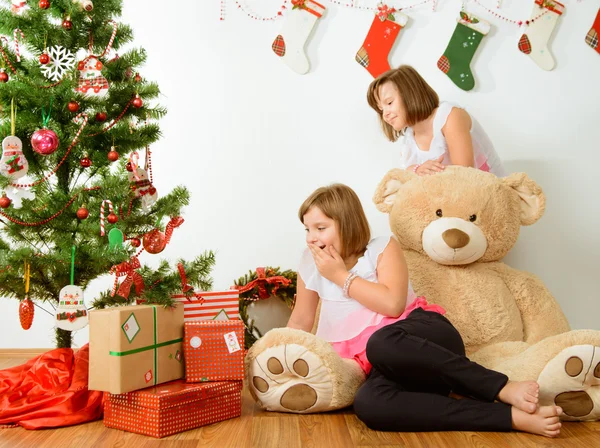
[17, 194]
[61, 61]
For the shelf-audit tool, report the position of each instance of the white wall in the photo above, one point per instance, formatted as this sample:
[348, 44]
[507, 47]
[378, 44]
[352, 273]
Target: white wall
[251, 139]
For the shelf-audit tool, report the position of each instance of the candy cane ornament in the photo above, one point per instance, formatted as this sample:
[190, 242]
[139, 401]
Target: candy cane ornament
[16, 34]
[111, 218]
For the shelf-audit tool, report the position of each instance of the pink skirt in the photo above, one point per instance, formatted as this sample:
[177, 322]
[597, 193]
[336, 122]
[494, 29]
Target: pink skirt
[356, 348]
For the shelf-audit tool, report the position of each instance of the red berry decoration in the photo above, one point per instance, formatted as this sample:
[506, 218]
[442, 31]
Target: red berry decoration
[44, 58]
[26, 311]
[3, 75]
[73, 106]
[113, 155]
[137, 78]
[137, 102]
[82, 213]
[129, 167]
[44, 4]
[5, 202]
[154, 241]
[85, 162]
[112, 218]
[101, 116]
[67, 24]
[135, 242]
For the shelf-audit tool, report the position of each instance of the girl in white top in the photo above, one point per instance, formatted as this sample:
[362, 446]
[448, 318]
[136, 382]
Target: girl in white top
[435, 134]
[365, 298]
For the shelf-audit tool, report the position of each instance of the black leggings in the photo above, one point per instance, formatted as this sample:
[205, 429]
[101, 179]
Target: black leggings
[417, 362]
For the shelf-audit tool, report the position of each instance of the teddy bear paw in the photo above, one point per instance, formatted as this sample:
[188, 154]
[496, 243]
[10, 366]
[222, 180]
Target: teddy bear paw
[571, 380]
[291, 378]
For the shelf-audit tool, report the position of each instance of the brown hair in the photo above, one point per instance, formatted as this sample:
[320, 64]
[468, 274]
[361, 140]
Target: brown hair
[340, 203]
[419, 99]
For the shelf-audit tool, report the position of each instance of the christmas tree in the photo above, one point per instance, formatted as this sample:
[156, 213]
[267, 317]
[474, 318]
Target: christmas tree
[76, 122]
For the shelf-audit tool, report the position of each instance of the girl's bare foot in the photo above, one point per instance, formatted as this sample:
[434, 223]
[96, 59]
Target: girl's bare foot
[521, 394]
[544, 421]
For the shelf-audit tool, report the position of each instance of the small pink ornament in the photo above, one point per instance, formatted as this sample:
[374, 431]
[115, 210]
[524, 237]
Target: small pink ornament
[44, 141]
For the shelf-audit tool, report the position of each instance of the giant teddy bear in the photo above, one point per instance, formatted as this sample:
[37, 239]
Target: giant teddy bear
[454, 228]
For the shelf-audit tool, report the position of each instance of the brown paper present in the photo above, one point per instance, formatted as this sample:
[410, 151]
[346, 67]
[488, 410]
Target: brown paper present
[173, 407]
[134, 347]
[214, 350]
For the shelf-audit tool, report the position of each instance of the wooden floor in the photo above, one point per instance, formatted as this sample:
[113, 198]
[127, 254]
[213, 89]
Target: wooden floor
[260, 429]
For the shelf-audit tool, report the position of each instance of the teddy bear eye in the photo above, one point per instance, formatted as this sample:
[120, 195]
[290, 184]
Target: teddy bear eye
[473, 218]
[439, 212]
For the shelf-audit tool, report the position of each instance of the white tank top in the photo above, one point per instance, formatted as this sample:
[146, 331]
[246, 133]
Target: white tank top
[343, 318]
[486, 158]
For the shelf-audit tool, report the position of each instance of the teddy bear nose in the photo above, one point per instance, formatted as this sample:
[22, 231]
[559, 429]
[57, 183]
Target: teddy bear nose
[455, 238]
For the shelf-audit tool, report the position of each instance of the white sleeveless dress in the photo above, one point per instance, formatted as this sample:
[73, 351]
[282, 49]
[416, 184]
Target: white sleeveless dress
[486, 158]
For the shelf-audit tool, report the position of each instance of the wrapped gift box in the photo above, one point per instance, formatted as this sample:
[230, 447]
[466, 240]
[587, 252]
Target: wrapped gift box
[210, 305]
[134, 347]
[173, 407]
[214, 350]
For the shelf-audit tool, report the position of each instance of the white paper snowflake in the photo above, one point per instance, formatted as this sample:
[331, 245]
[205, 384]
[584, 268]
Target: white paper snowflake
[61, 61]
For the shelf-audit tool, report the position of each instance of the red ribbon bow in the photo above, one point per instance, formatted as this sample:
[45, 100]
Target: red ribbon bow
[184, 285]
[175, 222]
[127, 269]
[261, 283]
[384, 11]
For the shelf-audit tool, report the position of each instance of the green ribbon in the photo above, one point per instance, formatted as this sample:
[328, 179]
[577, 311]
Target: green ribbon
[46, 117]
[154, 347]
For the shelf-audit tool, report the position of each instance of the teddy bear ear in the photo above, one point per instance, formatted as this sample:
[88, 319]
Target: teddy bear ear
[533, 200]
[385, 195]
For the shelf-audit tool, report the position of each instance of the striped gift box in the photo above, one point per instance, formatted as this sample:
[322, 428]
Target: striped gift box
[210, 305]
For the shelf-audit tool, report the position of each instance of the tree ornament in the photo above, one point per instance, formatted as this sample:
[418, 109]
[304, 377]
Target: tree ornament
[101, 116]
[91, 82]
[44, 4]
[61, 62]
[113, 155]
[26, 312]
[112, 218]
[129, 167]
[67, 24]
[44, 141]
[135, 242]
[3, 75]
[137, 102]
[137, 78]
[71, 312]
[86, 162]
[140, 184]
[73, 106]
[154, 241]
[87, 5]
[13, 163]
[18, 6]
[5, 201]
[26, 308]
[82, 212]
[115, 238]
[44, 58]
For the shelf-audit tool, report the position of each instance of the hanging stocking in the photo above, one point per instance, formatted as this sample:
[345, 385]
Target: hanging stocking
[592, 36]
[456, 60]
[299, 23]
[373, 55]
[534, 42]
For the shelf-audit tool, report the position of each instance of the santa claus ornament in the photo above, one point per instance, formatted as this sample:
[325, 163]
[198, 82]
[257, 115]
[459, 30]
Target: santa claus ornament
[91, 82]
[13, 163]
[71, 312]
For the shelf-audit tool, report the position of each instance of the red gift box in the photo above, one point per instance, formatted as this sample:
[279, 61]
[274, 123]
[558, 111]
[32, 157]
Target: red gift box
[173, 407]
[210, 305]
[214, 350]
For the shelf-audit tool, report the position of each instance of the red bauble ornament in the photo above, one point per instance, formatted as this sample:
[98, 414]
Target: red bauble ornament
[73, 106]
[5, 201]
[44, 4]
[137, 78]
[44, 58]
[82, 213]
[85, 162]
[101, 116]
[112, 218]
[26, 311]
[135, 242]
[113, 155]
[154, 241]
[129, 167]
[3, 75]
[137, 102]
[44, 141]
[67, 24]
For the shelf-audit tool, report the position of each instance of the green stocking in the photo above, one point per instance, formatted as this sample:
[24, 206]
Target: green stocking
[462, 46]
